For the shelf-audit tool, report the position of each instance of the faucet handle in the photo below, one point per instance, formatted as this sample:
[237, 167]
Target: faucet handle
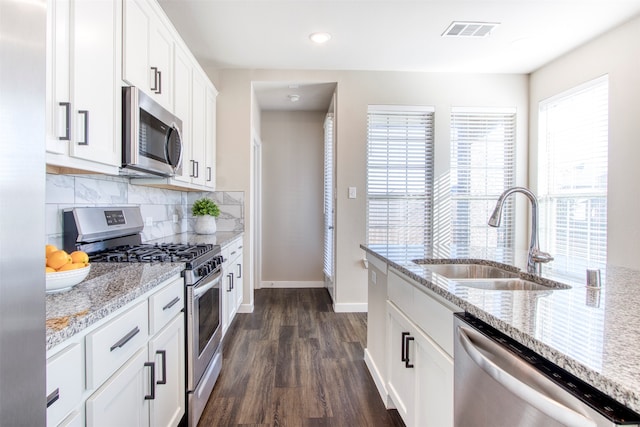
[540, 256]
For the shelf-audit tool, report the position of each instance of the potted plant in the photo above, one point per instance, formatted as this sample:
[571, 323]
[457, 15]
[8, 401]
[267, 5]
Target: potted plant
[206, 211]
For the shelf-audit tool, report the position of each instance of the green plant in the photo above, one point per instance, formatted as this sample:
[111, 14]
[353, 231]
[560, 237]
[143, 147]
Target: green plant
[205, 206]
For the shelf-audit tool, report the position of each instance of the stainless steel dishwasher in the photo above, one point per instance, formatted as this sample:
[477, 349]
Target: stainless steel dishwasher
[498, 382]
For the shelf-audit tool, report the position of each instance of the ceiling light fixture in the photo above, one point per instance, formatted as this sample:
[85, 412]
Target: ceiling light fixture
[320, 37]
[294, 97]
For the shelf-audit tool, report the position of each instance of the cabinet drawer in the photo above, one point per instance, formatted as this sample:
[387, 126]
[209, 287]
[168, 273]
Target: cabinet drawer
[64, 383]
[435, 319]
[109, 346]
[165, 304]
[400, 292]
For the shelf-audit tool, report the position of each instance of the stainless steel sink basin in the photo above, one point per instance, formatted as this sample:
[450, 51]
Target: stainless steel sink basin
[470, 271]
[510, 285]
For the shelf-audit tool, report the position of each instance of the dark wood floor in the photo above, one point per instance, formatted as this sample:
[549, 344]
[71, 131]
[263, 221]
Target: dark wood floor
[294, 362]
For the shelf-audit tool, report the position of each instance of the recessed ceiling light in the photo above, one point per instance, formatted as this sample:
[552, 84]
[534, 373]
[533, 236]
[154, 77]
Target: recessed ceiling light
[320, 37]
[294, 97]
[470, 29]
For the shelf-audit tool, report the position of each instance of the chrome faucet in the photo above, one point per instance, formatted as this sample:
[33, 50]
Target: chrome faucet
[536, 256]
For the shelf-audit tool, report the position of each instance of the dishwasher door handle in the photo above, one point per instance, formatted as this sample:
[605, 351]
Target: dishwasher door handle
[471, 341]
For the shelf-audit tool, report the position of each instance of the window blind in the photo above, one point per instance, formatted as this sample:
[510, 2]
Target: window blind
[482, 167]
[400, 179]
[573, 166]
[328, 197]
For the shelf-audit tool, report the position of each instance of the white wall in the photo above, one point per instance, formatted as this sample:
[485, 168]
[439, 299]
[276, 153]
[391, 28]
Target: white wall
[355, 91]
[617, 54]
[292, 194]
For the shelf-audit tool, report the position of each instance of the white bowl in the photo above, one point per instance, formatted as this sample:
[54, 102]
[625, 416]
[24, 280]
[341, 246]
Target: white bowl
[64, 280]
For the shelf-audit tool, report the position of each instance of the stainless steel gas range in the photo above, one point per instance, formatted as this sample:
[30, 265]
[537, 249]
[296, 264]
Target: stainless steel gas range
[112, 234]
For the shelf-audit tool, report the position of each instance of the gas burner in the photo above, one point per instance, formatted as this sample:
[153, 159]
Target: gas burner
[159, 252]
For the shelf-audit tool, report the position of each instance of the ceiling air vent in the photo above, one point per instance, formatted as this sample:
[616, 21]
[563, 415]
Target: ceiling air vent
[469, 29]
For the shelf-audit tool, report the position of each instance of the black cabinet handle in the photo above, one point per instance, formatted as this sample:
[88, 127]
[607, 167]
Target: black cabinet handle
[154, 88]
[407, 363]
[208, 173]
[159, 82]
[171, 303]
[196, 169]
[163, 356]
[53, 397]
[230, 277]
[67, 121]
[239, 271]
[151, 395]
[403, 351]
[85, 113]
[125, 339]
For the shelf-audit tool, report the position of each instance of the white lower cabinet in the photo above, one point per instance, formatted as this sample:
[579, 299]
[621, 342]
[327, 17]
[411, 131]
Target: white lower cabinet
[127, 370]
[166, 350]
[420, 374]
[233, 280]
[122, 400]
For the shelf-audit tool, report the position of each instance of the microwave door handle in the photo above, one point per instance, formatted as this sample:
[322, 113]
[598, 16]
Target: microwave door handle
[540, 401]
[201, 289]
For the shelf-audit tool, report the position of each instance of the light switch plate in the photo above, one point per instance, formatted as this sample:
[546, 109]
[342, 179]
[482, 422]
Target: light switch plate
[352, 192]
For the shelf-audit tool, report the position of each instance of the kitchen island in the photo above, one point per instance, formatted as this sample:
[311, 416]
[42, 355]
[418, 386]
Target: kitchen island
[590, 333]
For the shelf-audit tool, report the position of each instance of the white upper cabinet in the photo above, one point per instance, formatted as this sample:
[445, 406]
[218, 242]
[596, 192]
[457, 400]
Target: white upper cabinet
[182, 107]
[147, 51]
[210, 139]
[83, 91]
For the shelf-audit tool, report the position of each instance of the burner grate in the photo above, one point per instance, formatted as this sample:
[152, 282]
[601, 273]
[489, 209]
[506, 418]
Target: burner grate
[159, 252]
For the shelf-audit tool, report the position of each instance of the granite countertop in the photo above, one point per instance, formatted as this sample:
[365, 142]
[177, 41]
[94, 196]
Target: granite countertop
[111, 286]
[593, 334]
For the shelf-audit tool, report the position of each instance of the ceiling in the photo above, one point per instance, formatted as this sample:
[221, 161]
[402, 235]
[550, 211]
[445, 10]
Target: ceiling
[399, 35]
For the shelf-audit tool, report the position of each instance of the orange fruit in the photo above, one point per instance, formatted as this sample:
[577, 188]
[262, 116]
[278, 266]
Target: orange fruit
[50, 248]
[57, 259]
[79, 257]
[49, 270]
[72, 266]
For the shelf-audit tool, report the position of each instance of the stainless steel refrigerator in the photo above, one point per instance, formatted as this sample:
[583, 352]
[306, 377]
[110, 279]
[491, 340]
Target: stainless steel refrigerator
[22, 212]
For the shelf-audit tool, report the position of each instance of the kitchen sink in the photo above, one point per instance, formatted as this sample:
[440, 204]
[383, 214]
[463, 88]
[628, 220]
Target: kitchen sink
[470, 271]
[510, 285]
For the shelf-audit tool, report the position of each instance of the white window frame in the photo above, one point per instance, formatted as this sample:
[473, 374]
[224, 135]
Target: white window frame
[565, 191]
[400, 169]
[482, 166]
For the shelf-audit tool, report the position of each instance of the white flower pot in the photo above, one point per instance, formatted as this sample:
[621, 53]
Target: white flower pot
[205, 224]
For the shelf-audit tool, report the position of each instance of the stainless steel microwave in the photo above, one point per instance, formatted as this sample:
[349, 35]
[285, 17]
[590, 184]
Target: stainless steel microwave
[151, 142]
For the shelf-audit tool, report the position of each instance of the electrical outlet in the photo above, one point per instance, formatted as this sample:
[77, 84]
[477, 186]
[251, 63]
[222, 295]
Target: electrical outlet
[374, 277]
[148, 222]
[175, 218]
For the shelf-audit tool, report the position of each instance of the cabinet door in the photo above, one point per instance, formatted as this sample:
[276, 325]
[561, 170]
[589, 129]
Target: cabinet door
[121, 400]
[434, 384]
[210, 136]
[135, 47]
[64, 383]
[166, 349]
[198, 130]
[58, 77]
[182, 107]
[401, 376]
[160, 59]
[96, 81]
[239, 280]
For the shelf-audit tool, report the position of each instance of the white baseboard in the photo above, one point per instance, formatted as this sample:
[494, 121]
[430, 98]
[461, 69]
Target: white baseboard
[350, 308]
[292, 284]
[377, 379]
[245, 308]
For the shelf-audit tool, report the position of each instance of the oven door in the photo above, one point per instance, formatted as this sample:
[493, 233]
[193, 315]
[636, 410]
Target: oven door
[204, 328]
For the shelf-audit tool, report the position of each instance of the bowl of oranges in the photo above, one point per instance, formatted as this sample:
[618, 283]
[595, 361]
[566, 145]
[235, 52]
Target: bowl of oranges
[65, 270]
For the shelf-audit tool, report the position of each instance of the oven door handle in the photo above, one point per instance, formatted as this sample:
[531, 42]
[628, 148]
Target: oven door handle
[201, 289]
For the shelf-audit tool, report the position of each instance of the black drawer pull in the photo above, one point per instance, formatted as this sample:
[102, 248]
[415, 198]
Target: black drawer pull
[171, 303]
[53, 397]
[151, 395]
[125, 339]
[67, 121]
[403, 357]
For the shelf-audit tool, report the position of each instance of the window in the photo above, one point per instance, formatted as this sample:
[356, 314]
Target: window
[572, 187]
[482, 167]
[400, 179]
[328, 197]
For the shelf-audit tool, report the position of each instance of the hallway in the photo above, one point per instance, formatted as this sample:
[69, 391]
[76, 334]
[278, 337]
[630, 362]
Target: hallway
[294, 362]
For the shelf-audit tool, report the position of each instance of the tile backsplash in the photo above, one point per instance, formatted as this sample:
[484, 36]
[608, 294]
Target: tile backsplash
[158, 205]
